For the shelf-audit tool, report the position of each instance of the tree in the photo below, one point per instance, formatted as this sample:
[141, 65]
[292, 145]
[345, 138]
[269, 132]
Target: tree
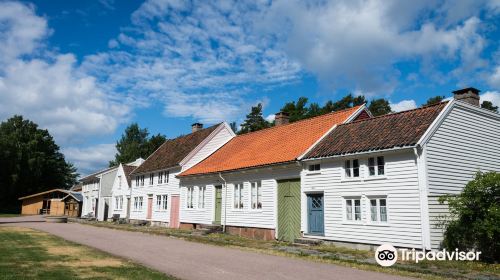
[135, 143]
[489, 106]
[296, 110]
[475, 217]
[434, 100]
[30, 162]
[254, 121]
[234, 127]
[379, 107]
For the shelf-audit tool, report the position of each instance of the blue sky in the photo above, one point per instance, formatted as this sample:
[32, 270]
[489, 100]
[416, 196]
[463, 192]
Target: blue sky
[86, 69]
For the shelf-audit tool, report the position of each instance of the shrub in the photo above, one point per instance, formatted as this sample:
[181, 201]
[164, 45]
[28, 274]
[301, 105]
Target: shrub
[475, 217]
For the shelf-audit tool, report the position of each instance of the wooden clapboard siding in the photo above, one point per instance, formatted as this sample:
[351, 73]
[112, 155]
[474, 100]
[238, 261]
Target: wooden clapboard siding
[468, 140]
[247, 217]
[400, 186]
[31, 206]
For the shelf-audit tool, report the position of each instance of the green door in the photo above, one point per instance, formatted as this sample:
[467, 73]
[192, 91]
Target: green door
[289, 210]
[218, 204]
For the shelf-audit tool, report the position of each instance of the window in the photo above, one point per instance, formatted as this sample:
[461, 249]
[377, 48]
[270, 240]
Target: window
[314, 167]
[119, 203]
[353, 209]
[256, 198]
[167, 175]
[238, 196]
[201, 197]
[136, 203]
[378, 210]
[142, 180]
[160, 177]
[161, 202]
[136, 181]
[189, 197]
[378, 168]
[163, 177]
[151, 179]
[351, 168]
[140, 201]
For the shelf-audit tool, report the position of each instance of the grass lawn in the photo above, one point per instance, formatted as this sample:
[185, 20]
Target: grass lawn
[330, 254]
[5, 215]
[30, 254]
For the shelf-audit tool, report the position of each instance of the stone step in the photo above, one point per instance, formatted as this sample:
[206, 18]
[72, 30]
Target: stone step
[307, 241]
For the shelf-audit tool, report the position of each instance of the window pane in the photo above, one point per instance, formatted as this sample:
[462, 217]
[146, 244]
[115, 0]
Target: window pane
[383, 210]
[373, 209]
[381, 165]
[355, 168]
[259, 195]
[357, 209]
[236, 196]
[254, 195]
[347, 168]
[371, 166]
[348, 208]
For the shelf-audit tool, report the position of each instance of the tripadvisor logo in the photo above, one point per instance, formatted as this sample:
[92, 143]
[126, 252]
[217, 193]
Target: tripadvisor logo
[387, 255]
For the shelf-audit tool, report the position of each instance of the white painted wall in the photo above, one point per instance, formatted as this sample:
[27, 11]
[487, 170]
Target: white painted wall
[467, 140]
[400, 185]
[90, 192]
[170, 188]
[246, 217]
[120, 190]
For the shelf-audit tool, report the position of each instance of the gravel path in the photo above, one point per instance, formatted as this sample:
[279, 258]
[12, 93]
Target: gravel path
[190, 260]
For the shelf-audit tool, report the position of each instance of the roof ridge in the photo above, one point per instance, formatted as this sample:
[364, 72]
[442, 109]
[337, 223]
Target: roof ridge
[396, 113]
[299, 121]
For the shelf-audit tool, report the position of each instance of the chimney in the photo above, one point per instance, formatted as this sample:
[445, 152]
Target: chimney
[469, 95]
[281, 118]
[196, 127]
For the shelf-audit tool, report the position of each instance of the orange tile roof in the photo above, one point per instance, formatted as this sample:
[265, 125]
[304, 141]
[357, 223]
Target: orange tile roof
[273, 145]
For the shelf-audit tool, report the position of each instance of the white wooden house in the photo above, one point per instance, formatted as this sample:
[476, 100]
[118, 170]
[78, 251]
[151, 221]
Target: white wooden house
[240, 185]
[122, 188]
[93, 205]
[155, 187]
[378, 180]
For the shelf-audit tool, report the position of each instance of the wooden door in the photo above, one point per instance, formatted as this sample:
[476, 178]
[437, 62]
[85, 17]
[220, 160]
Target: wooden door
[289, 210]
[174, 211]
[315, 214]
[150, 208]
[218, 205]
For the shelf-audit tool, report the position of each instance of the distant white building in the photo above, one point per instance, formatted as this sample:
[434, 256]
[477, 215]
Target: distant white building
[122, 188]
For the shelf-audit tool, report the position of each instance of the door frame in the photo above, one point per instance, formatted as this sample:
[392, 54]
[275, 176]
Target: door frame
[307, 212]
[150, 207]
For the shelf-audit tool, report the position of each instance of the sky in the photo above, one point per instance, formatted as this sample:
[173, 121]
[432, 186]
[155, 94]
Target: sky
[85, 70]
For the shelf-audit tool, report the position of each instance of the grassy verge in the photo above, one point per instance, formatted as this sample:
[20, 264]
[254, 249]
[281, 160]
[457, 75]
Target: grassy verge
[30, 254]
[6, 215]
[329, 254]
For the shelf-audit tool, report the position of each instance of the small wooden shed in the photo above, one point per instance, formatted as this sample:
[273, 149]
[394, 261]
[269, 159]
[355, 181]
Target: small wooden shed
[56, 202]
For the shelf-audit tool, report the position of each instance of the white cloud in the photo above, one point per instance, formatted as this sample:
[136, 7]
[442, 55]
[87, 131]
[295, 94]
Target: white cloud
[90, 159]
[356, 43]
[492, 96]
[403, 105]
[270, 118]
[49, 88]
[494, 78]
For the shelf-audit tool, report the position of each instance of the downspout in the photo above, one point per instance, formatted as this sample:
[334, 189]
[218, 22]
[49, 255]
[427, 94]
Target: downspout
[225, 204]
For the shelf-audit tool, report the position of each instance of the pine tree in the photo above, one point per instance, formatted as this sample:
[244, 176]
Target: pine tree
[254, 121]
[434, 100]
[489, 106]
[379, 107]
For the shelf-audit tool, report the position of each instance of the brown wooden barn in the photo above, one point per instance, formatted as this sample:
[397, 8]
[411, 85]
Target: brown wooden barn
[56, 202]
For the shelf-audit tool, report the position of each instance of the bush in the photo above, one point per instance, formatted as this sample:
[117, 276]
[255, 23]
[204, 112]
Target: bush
[475, 217]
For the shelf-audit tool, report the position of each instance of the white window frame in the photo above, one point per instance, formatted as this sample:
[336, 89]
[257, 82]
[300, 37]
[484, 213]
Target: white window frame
[151, 179]
[160, 177]
[256, 195]
[136, 203]
[314, 168]
[378, 208]
[189, 197]
[167, 175]
[376, 166]
[136, 181]
[201, 196]
[141, 200]
[350, 203]
[161, 202]
[142, 180]
[349, 171]
[238, 197]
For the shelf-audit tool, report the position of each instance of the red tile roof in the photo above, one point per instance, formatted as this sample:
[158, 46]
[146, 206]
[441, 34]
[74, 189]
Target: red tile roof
[385, 132]
[173, 151]
[273, 145]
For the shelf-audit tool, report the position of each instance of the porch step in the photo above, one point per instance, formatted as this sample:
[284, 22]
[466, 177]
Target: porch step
[307, 241]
